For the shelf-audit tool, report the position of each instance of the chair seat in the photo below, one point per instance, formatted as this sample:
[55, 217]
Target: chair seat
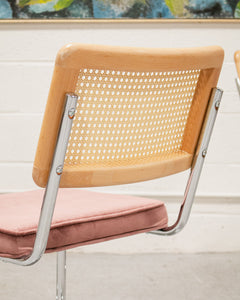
[81, 217]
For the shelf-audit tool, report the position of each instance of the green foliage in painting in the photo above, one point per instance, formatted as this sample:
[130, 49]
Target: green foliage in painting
[237, 10]
[61, 4]
[176, 7]
[23, 3]
[124, 2]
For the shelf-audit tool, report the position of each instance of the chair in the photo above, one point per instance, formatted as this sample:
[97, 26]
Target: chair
[237, 63]
[114, 115]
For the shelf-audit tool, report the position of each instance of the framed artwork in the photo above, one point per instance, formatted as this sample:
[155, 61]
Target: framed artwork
[124, 10]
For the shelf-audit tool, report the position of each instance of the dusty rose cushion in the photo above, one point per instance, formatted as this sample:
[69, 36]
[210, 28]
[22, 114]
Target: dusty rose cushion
[81, 217]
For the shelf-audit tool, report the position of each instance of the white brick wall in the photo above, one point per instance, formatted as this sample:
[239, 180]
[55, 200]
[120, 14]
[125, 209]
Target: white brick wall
[27, 53]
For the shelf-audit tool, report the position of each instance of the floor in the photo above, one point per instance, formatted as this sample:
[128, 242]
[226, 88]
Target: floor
[128, 277]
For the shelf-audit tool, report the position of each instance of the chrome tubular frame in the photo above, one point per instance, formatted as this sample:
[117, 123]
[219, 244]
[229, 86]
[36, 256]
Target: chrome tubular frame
[238, 84]
[197, 165]
[61, 276]
[51, 190]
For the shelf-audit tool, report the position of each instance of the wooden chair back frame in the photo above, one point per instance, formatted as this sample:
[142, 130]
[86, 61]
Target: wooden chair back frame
[156, 99]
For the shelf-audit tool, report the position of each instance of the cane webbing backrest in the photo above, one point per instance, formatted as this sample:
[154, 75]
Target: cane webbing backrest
[138, 116]
[127, 117]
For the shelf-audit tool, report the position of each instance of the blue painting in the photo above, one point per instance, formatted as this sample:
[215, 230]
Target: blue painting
[119, 9]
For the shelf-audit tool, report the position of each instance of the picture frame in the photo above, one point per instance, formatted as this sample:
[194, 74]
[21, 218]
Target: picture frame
[72, 11]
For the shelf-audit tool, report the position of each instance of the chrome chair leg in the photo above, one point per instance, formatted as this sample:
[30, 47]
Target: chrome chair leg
[61, 276]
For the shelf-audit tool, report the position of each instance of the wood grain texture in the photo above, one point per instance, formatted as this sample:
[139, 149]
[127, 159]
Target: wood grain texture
[207, 80]
[74, 57]
[78, 56]
[141, 171]
[63, 81]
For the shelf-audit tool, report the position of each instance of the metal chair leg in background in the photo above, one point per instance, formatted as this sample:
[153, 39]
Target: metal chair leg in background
[61, 276]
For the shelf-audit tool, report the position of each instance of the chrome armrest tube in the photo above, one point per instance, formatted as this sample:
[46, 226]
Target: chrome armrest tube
[201, 152]
[51, 190]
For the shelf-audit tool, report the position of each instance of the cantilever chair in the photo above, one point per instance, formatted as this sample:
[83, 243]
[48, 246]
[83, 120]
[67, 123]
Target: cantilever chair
[114, 115]
[237, 63]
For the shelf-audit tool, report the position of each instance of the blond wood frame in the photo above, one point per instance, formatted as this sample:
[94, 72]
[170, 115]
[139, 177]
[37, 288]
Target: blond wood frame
[75, 56]
[237, 62]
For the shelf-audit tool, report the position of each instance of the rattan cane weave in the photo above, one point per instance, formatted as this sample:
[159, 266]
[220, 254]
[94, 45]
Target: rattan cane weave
[126, 117]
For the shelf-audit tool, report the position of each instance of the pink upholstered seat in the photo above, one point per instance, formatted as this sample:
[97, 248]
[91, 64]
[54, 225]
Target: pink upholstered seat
[81, 217]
